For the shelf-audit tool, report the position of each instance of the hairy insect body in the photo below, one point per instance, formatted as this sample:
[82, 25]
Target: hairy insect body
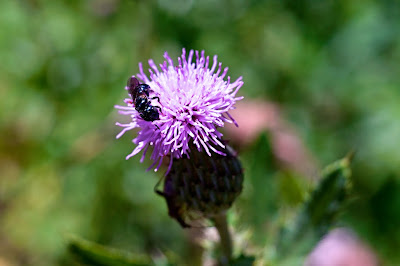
[140, 94]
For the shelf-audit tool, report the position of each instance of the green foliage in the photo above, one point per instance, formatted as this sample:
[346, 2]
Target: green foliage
[331, 68]
[243, 260]
[94, 254]
[320, 210]
[260, 170]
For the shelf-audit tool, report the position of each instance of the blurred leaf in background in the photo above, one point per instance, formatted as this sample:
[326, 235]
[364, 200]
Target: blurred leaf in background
[95, 254]
[319, 212]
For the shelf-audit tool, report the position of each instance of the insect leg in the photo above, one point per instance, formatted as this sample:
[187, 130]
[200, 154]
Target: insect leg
[156, 190]
[155, 97]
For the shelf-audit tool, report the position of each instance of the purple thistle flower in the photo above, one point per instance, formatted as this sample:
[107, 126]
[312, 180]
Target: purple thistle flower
[194, 100]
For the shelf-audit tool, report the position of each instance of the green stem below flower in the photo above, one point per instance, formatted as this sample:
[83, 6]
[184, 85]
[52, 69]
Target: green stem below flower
[221, 224]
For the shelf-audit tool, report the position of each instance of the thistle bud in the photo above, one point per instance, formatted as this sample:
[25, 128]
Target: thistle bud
[202, 186]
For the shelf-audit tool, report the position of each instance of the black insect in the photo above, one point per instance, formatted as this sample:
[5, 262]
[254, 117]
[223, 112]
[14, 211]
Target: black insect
[140, 96]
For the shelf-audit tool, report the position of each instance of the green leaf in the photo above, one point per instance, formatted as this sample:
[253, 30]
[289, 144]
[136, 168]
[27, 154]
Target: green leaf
[260, 176]
[243, 260]
[319, 211]
[95, 254]
[292, 188]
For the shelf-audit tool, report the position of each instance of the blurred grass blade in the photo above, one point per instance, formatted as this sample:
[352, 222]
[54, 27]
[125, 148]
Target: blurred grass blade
[320, 210]
[95, 254]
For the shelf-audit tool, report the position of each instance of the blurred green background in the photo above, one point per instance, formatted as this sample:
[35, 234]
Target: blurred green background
[333, 68]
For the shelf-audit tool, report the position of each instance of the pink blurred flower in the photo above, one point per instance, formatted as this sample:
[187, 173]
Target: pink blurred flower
[341, 247]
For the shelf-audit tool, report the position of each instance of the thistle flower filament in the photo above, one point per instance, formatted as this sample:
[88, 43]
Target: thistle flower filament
[194, 101]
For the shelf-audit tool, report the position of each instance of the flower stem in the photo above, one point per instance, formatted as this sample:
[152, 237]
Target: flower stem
[221, 224]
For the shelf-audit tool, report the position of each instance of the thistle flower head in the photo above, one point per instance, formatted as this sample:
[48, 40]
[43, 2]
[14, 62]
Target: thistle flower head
[193, 99]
